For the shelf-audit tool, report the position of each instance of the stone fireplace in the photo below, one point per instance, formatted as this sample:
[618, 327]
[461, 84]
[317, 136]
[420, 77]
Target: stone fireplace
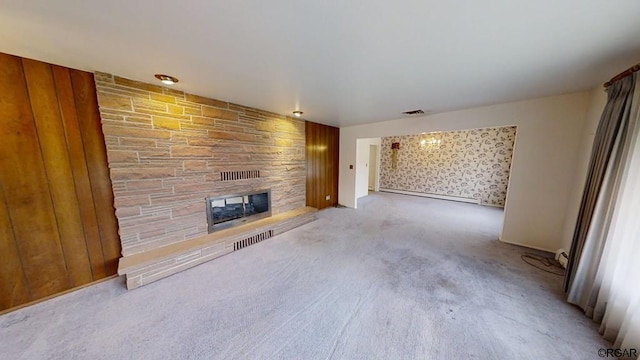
[168, 150]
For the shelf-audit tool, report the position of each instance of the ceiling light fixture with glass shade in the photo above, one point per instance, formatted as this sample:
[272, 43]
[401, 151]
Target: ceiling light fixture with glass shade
[166, 79]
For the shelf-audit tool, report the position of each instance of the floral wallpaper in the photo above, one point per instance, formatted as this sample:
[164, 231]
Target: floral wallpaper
[471, 164]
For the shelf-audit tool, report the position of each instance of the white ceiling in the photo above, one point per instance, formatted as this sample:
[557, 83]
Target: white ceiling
[341, 62]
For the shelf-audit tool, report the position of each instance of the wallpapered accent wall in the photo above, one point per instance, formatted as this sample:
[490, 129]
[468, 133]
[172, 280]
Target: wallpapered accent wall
[470, 164]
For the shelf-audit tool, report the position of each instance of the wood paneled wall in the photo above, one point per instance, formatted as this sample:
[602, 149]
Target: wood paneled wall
[322, 142]
[57, 222]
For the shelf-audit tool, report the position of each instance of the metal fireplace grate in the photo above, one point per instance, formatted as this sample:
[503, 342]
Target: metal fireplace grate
[230, 210]
[239, 175]
[252, 240]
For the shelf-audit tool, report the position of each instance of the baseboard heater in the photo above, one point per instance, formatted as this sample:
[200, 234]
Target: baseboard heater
[434, 196]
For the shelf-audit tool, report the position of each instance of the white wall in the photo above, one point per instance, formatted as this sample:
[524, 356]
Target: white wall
[545, 159]
[362, 166]
[597, 101]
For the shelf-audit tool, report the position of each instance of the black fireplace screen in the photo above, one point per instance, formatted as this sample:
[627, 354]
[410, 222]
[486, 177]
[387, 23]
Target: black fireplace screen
[229, 210]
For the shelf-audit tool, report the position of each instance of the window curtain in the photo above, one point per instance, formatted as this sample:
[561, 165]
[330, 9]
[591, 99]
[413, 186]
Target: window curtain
[603, 274]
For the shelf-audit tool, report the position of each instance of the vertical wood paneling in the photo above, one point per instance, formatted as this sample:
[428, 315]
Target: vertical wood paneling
[56, 213]
[321, 150]
[309, 163]
[81, 180]
[26, 187]
[321, 166]
[334, 145]
[96, 154]
[13, 286]
[46, 112]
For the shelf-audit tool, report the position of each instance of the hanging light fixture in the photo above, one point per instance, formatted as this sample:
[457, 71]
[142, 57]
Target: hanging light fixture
[430, 142]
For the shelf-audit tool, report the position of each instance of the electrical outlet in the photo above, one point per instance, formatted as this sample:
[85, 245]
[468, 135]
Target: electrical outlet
[328, 197]
[562, 257]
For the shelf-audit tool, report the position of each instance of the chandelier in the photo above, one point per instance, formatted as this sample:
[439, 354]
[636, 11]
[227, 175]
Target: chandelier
[430, 142]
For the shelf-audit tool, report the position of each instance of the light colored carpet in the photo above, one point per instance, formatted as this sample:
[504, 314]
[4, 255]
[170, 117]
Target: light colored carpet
[400, 278]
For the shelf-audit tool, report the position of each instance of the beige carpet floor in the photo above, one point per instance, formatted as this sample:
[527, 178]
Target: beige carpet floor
[401, 277]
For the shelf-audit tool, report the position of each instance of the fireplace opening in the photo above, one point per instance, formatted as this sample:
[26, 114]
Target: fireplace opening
[229, 210]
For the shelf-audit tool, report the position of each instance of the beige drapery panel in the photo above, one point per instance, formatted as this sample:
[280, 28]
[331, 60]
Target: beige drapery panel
[604, 268]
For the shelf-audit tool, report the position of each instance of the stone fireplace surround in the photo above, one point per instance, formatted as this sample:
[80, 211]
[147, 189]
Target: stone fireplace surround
[168, 151]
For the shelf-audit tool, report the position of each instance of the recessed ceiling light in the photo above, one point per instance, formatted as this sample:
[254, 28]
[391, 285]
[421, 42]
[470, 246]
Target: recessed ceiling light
[298, 113]
[166, 79]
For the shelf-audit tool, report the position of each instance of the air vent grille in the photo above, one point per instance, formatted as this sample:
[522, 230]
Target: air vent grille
[414, 112]
[252, 240]
[239, 175]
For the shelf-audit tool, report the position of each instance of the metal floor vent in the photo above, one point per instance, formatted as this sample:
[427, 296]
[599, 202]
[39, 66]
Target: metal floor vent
[252, 240]
[239, 175]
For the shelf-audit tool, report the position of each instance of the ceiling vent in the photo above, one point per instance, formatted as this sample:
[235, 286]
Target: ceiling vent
[414, 112]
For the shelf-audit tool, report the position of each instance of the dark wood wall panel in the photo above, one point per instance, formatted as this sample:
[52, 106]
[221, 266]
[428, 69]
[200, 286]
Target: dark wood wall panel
[96, 153]
[78, 159]
[46, 184]
[310, 164]
[26, 189]
[334, 144]
[321, 142]
[44, 104]
[13, 285]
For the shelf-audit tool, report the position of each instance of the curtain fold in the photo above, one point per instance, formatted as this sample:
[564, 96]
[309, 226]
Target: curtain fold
[608, 136]
[603, 273]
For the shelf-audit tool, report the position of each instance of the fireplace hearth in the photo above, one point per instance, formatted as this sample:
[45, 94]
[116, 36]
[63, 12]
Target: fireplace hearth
[230, 210]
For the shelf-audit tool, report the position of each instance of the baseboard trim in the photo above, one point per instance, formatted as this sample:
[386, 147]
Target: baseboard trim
[434, 196]
[80, 287]
[493, 205]
[526, 246]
